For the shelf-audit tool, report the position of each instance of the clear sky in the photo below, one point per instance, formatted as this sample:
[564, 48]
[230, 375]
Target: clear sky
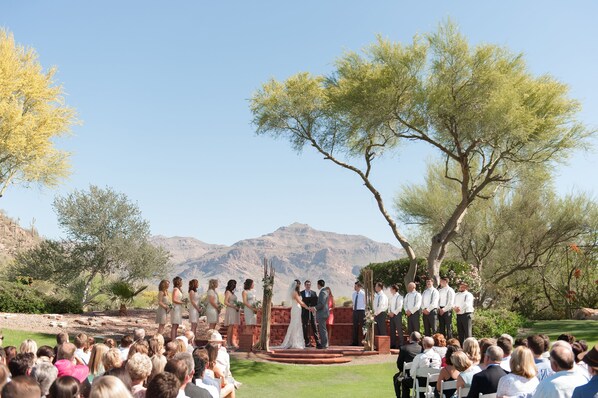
[162, 89]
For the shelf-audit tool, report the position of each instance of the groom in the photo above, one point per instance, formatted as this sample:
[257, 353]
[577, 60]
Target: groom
[321, 312]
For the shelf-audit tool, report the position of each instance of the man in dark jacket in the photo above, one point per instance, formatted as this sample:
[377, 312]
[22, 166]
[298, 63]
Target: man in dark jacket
[403, 382]
[486, 382]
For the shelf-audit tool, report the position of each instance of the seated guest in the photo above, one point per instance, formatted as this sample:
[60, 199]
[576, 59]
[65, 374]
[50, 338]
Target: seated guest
[427, 359]
[110, 342]
[82, 352]
[9, 352]
[567, 337]
[109, 387]
[28, 346]
[536, 345]
[163, 385]
[96, 366]
[565, 379]
[506, 343]
[223, 358]
[122, 374]
[139, 367]
[402, 380]
[466, 369]
[21, 387]
[448, 373]
[45, 353]
[125, 344]
[439, 344]
[214, 370]
[190, 341]
[578, 349]
[139, 335]
[112, 359]
[471, 347]
[200, 367]
[139, 347]
[179, 368]
[522, 380]
[21, 364]
[171, 348]
[202, 353]
[65, 387]
[44, 373]
[486, 381]
[484, 344]
[520, 341]
[156, 349]
[591, 388]
[191, 389]
[453, 341]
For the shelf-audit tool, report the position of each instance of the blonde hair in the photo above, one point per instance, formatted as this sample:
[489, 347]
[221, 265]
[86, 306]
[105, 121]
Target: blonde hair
[112, 359]
[181, 347]
[461, 361]
[109, 387]
[212, 284]
[522, 362]
[472, 348]
[158, 364]
[28, 346]
[139, 366]
[96, 365]
[141, 347]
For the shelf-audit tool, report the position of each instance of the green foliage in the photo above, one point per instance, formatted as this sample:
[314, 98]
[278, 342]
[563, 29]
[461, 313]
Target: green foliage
[394, 271]
[16, 297]
[494, 322]
[123, 292]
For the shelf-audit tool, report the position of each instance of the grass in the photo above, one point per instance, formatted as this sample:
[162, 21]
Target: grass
[16, 337]
[582, 330]
[261, 379]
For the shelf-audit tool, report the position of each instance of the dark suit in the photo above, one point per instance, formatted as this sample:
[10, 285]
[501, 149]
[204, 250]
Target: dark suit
[193, 391]
[406, 354]
[486, 382]
[307, 318]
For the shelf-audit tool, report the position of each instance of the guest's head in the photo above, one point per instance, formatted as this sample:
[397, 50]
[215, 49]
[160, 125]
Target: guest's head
[439, 340]
[66, 351]
[200, 354]
[139, 347]
[546, 342]
[122, 374]
[561, 358]
[139, 334]
[21, 387]
[109, 387]
[112, 359]
[181, 342]
[177, 282]
[193, 285]
[461, 361]
[212, 350]
[415, 337]
[9, 352]
[80, 341]
[28, 346]
[577, 349]
[21, 364]
[231, 285]
[110, 343]
[156, 345]
[494, 354]
[450, 350]
[65, 387]
[591, 359]
[164, 285]
[472, 349]
[568, 337]
[44, 373]
[126, 341]
[522, 362]
[453, 341]
[427, 342]
[163, 385]
[62, 337]
[95, 364]
[321, 283]
[45, 351]
[139, 367]
[506, 344]
[178, 367]
[485, 343]
[535, 343]
[379, 287]
[248, 285]
[189, 362]
[170, 349]
[520, 341]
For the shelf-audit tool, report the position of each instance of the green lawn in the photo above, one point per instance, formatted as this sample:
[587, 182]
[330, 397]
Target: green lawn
[277, 380]
[16, 337]
[582, 330]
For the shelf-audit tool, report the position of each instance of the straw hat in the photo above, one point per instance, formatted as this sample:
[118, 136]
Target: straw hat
[591, 357]
[215, 337]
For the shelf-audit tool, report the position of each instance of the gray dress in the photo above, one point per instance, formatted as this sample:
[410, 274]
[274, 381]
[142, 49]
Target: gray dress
[161, 312]
[250, 317]
[176, 315]
[211, 312]
[231, 316]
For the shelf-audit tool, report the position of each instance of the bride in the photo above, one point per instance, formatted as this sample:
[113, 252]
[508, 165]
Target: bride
[294, 337]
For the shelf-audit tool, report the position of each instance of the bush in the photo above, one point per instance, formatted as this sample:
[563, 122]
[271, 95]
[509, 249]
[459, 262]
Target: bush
[16, 297]
[494, 322]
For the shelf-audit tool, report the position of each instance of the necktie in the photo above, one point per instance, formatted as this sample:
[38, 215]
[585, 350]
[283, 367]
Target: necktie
[396, 303]
[355, 303]
[378, 302]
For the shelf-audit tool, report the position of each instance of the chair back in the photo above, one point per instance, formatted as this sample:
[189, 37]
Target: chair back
[448, 385]
[463, 391]
[491, 395]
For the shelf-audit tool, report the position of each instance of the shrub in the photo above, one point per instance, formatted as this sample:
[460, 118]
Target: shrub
[16, 297]
[494, 322]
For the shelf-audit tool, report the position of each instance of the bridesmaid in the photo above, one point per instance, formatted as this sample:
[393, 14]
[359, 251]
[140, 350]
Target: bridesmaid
[162, 304]
[231, 316]
[213, 305]
[249, 301]
[194, 309]
[330, 320]
[176, 316]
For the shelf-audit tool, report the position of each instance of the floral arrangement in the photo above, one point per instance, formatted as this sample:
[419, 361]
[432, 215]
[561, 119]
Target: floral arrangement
[185, 301]
[268, 282]
[238, 305]
[369, 320]
[202, 308]
[257, 305]
[170, 307]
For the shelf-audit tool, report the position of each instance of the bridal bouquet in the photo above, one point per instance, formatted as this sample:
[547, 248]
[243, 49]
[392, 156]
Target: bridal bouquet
[220, 307]
[257, 305]
[239, 305]
[202, 308]
[170, 307]
[185, 301]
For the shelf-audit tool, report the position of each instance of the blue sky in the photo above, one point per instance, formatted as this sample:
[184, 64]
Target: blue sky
[162, 89]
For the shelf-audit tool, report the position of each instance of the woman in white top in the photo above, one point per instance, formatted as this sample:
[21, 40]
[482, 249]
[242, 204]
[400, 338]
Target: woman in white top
[249, 310]
[522, 381]
[193, 307]
[213, 304]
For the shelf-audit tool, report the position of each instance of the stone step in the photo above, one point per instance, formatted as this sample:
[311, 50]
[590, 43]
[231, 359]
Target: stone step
[311, 361]
[303, 354]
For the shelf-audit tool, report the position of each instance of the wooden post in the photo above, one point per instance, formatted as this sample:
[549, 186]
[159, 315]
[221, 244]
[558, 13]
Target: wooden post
[268, 283]
[368, 278]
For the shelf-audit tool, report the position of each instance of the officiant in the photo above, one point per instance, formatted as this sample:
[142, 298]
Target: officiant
[308, 322]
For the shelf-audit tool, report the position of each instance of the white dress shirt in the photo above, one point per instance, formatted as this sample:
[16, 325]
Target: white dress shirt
[464, 300]
[380, 303]
[559, 385]
[430, 299]
[446, 298]
[360, 297]
[427, 359]
[396, 303]
[413, 301]
[211, 389]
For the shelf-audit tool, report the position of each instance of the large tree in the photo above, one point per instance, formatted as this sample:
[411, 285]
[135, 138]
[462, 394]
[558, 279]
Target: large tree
[107, 239]
[32, 115]
[480, 107]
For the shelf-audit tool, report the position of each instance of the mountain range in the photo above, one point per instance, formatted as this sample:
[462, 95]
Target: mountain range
[296, 251]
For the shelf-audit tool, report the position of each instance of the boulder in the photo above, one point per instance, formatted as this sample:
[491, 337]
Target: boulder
[586, 313]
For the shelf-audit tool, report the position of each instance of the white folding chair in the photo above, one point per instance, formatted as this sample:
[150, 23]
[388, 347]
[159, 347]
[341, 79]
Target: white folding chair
[448, 385]
[463, 391]
[491, 395]
[431, 376]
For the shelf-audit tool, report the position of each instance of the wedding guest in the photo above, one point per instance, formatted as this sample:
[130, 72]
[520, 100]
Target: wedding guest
[380, 308]
[21, 387]
[164, 385]
[486, 381]
[402, 380]
[447, 373]
[122, 374]
[522, 380]
[170, 349]
[463, 307]
[412, 305]
[208, 376]
[163, 305]
[472, 348]
[439, 344]
[139, 367]
[4, 375]
[139, 347]
[125, 345]
[565, 379]
[330, 320]
[191, 389]
[590, 389]
[156, 345]
[10, 352]
[190, 341]
[358, 313]
[484, 344]
[213, 304]
[82, 351]
[110, 342]
[96, 367]
[200, 367]
[506, 343]
[249, 310]
[65, 387]
[112, 359]
[536, 345]
[453, 341]
[28, 346]
[227, 389]
[466, 369]
[21, 364]
[44, 373]
[67, 364]
[579, 347]
[45, 353]
[395, 313]
[176, 315]
[194, 309]
[446, 301]
[109, 387]
[427, 359]
[231, 314]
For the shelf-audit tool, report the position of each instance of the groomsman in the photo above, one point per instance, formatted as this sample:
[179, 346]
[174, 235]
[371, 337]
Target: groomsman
[396, 317]
[445, 303]
[358, 313]
[310, 298]
[464, 309]
[380, 308]
[412, 303]
[430, 307]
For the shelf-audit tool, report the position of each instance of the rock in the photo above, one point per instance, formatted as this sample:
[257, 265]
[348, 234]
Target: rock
[53, 324]
[62, 324]
[586, 313]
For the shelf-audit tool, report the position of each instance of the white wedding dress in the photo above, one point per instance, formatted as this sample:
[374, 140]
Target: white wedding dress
[294, 337]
